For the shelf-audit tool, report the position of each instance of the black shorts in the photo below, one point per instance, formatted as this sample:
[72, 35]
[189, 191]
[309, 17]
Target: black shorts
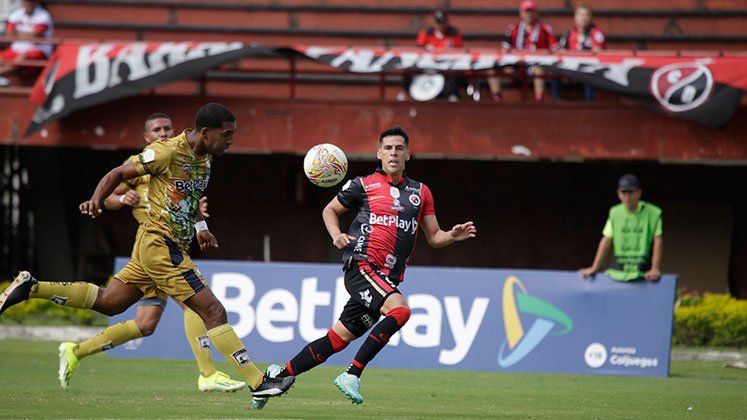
[368, 288]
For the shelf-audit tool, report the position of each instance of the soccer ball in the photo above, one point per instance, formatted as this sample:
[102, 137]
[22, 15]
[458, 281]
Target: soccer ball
[325, 165]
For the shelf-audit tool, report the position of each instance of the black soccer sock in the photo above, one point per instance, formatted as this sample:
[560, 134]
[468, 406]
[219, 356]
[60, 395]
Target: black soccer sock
[314, 354]
[378, 338]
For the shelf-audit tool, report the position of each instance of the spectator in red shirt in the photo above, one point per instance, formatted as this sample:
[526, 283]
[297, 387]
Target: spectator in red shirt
[585, 36]
[529, 34]
[26, 23]
[439, 36]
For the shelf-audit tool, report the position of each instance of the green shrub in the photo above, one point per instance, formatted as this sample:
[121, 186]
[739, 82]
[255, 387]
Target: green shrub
[710, 319]
[46, 312]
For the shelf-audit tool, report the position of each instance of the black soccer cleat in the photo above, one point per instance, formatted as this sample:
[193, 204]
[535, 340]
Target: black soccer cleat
[18, 291]
[273, 387]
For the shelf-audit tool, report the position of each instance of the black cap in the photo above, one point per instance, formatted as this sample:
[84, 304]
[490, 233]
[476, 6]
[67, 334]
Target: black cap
[440, 16]
[628, 182]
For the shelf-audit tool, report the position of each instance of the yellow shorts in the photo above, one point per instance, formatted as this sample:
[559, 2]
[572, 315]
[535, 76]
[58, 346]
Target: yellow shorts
[160, 264]
[131, 276]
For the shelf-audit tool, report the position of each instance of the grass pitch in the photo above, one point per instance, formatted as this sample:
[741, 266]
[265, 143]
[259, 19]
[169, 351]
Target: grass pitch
[104, 387]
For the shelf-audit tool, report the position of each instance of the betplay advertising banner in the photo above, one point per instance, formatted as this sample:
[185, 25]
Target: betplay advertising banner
[462, 319]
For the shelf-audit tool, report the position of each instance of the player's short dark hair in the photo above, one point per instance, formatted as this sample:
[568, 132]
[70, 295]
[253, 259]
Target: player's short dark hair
[213, 115]
[395, 131]
[155, 116]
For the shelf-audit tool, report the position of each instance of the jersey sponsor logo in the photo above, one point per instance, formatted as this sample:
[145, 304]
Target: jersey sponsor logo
[375, 197]
[396, 205]
[186, 167]
[680, 87]
[194, 184]
[414, 200]
[369, 186]
[241, 357]
[391, 220]
[412, 189]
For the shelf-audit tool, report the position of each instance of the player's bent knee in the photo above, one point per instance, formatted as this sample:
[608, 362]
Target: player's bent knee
[214, 314]
[147, 327]
[401, 314]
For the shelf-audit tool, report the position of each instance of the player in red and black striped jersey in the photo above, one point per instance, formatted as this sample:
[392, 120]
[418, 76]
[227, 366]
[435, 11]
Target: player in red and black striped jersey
[390, 207]
[529, 34]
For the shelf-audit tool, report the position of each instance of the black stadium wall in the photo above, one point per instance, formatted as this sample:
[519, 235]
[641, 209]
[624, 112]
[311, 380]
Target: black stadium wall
[529, 214]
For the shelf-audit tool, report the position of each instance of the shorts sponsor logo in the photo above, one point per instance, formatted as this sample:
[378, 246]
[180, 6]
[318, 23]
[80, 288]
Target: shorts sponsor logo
[414, 200]
[367, 320]
[518, 343]
[60, 300]
[241, 357]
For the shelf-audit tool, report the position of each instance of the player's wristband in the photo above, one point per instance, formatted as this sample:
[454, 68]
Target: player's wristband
[200, 226]
[121, 198]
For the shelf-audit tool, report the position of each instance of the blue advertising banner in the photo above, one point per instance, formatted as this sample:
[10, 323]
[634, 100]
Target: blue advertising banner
[462, 319]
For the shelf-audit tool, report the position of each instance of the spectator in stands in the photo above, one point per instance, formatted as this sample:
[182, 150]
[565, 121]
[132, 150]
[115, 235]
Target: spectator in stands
[585, 36]
[529, 34]
[634, 233]
[439, 36]
[26, 23]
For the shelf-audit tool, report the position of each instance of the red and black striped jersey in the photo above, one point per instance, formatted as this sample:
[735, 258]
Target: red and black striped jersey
[386, 224]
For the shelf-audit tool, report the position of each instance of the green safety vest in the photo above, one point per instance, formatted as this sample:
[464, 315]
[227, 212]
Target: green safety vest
[632, 239]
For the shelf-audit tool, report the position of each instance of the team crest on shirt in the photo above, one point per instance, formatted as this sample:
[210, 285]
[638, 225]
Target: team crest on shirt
[414, 200]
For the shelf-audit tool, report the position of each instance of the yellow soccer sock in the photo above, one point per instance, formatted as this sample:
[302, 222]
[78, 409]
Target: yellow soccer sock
[109, 338]
[78, 295]
[228, 344]
[196, 334]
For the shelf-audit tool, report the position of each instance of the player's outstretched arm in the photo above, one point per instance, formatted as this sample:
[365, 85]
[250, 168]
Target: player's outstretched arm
[107, 185]
[437, 238]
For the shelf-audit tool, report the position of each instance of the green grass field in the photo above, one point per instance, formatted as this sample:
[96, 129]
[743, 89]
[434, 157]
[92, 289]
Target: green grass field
[104, 387]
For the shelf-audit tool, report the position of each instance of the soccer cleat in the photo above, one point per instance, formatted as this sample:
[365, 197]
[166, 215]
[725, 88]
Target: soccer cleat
[273, 387]
[68, 363]
[18, 291]
[219, 381]
[271, 372]
[350, 385]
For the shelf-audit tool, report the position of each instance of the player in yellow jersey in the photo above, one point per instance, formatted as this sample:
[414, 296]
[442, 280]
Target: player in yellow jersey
[179, 170]
[134, 193]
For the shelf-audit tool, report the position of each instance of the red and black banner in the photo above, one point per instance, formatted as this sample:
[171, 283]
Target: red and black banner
[79, 76]
[706, 89]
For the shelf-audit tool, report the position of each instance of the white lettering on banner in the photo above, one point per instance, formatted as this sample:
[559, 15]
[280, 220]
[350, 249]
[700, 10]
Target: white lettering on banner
[311, 297]
[464, 332]
[424, 329]
[95, 72]
[96, 55]
[239, 304]
[277, 305]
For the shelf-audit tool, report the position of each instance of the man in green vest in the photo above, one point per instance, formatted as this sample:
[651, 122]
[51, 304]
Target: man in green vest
[634, 232]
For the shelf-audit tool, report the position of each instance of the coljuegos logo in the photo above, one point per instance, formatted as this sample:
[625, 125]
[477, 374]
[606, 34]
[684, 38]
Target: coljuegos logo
[519, 343]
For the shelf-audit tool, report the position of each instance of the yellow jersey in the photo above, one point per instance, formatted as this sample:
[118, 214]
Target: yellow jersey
[178, 179]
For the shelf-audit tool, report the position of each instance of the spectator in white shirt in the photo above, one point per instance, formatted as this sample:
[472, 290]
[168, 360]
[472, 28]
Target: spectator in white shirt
[26, 23]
